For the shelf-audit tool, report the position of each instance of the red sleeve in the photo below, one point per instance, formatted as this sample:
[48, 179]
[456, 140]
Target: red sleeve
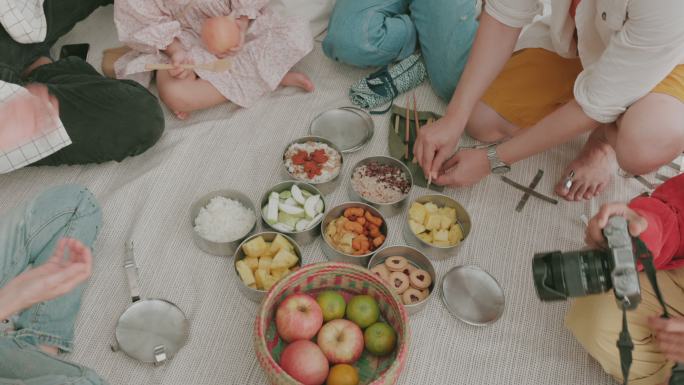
[662, 237]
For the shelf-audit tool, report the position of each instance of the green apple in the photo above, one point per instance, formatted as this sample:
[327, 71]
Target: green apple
[333, 305]
[380, 339]
[363, 310]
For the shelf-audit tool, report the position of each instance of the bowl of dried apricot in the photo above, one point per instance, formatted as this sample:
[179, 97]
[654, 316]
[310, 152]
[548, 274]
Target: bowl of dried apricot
[352, 232]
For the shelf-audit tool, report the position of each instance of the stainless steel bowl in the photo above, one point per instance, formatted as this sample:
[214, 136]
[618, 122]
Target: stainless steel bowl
[437, 252]
[254, 294]
[337, 256]
[387, 209]
[417, 259]
[325, 187]
[219, 248]
[302, 237]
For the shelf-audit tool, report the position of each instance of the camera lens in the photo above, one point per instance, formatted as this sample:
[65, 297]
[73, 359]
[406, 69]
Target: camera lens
[558, 276]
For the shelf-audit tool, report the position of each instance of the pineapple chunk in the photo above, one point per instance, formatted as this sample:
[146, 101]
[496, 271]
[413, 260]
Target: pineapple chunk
[253, 263]
[284, 260]
[260, 278]
[269, 282]
[455, 234]
[278, 243]
[448, 212]
[440, 236]
[279, 273]
[433, 221]
[441, 244]
[245, 272]
[265, 263]
[425, 237]
[416, 227]
[255, 248]
[417, 212]
[446, 222]
[253, 286]
[431, 207]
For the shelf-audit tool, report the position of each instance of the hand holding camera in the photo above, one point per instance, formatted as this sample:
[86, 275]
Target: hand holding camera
[594, 235]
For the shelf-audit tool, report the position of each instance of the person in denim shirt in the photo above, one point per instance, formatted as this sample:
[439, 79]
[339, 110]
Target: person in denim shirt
[374, 33]
[45, 258]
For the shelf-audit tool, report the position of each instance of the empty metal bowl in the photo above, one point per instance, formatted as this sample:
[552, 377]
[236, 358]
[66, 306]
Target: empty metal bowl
[414, 257]
[254, 294]
[302, 237]
[387, 209]
[472, 295]
[220, 248]
[324, 187]
[338, 256]
[438, 252]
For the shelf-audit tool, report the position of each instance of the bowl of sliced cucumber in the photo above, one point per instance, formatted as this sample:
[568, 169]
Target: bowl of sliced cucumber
[294, 208]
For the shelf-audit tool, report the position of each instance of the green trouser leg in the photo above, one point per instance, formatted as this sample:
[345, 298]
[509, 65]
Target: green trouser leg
[106, 119]
[61, 16]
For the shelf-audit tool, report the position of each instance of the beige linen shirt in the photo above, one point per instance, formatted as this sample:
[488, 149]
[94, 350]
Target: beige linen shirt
[626, 46]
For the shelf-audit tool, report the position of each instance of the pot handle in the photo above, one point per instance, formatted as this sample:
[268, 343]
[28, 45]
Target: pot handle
[132, 272]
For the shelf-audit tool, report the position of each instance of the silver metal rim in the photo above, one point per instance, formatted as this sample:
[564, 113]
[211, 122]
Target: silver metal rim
[305, 139]
[370, 126]
[384, 160]
[455, 313]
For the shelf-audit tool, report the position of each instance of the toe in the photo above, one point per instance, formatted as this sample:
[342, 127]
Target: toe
[590, 193]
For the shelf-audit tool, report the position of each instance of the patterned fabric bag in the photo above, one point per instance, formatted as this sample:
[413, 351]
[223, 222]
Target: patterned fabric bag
[387, 83]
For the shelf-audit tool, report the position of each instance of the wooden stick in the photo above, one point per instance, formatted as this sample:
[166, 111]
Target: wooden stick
[429, 180]
[408, 127]
[396, 124]
[415, 118]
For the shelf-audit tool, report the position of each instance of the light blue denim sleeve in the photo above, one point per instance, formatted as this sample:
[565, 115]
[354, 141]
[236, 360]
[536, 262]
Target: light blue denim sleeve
[28, 235]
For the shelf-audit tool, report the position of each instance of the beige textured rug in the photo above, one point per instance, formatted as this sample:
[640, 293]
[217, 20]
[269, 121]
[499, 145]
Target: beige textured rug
[148, 197]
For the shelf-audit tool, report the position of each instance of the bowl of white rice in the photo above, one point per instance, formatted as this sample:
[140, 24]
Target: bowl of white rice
[221, 220]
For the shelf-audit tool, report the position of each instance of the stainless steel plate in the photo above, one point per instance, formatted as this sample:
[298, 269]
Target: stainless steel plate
[152, 330]
[350, 128]
[472, 295]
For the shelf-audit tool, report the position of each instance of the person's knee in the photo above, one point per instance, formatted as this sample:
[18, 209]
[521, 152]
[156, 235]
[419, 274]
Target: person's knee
[73, 198]
[144, 120]
[486, 125]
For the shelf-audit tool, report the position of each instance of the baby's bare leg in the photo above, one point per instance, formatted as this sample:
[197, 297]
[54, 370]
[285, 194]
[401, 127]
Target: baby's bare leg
[183, 96]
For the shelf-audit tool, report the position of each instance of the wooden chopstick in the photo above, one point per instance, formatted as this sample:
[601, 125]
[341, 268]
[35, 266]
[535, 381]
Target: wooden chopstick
[408, 127]
[396, 124]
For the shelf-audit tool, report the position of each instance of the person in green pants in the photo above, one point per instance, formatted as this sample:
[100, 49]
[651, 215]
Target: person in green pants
[106, 119]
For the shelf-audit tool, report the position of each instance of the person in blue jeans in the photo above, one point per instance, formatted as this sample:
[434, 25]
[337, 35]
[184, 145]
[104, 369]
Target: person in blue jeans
[45, 258]
[371, 33]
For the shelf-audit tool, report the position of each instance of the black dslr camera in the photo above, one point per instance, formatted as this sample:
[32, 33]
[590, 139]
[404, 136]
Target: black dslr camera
[558, 275]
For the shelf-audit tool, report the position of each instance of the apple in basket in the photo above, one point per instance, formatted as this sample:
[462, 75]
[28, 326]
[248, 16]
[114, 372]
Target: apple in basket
[299, 317]
[304, 361]
[341, 341]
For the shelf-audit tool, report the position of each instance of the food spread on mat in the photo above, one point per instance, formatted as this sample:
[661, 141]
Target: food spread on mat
[265, 263]
[224, 220]
[312, 161]
[411, 283]
[344, 331]
[435, 225]
[293, 210]
[380, 183]
[356, 232]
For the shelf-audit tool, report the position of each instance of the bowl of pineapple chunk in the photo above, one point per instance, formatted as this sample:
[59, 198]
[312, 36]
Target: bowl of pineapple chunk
[262, 260]
[436, 224]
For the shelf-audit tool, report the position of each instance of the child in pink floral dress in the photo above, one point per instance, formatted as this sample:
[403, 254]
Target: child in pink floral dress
[169, 31]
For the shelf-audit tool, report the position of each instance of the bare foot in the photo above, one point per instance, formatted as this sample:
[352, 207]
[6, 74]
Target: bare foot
[181, 115]
[41, 61]
[593, 170]
[297, 79]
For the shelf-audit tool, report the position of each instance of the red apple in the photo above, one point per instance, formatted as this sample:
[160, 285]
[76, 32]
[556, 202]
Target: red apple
[341, 341]
[298, 318]
[304, 361]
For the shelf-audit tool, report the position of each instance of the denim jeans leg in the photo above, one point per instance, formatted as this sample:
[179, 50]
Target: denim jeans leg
[370, 32]
[446, 30]
[29, 235]
[24, 364]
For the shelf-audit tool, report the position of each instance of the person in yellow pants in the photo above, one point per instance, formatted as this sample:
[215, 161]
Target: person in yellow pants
[596, 320]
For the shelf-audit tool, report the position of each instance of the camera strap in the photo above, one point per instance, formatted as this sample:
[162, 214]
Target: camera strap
[625, 344]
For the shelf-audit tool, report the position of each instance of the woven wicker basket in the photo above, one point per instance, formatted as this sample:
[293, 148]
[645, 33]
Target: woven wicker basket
[349, 280]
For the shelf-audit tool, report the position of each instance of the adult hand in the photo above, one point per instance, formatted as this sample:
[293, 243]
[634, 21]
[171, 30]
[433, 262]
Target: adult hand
[435, 143]
[594, 234]
[669, 333]
[27, 115]
[56, 277]
[180, 56]
[465, 168]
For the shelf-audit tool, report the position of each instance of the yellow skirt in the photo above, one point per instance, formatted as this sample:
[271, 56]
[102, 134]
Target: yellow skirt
[535, 82]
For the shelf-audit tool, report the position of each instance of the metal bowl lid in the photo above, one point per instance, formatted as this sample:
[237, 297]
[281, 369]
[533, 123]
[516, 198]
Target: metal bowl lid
[152, 330]
[472, 295]
[349, 128]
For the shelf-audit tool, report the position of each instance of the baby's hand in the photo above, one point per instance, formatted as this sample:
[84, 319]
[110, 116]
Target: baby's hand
[179, 57]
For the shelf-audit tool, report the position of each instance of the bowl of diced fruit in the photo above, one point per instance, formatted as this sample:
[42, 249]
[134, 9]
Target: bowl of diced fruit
[436, 225]
[294, 208]
[314, 160]
[264, 259]
[352, 232]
